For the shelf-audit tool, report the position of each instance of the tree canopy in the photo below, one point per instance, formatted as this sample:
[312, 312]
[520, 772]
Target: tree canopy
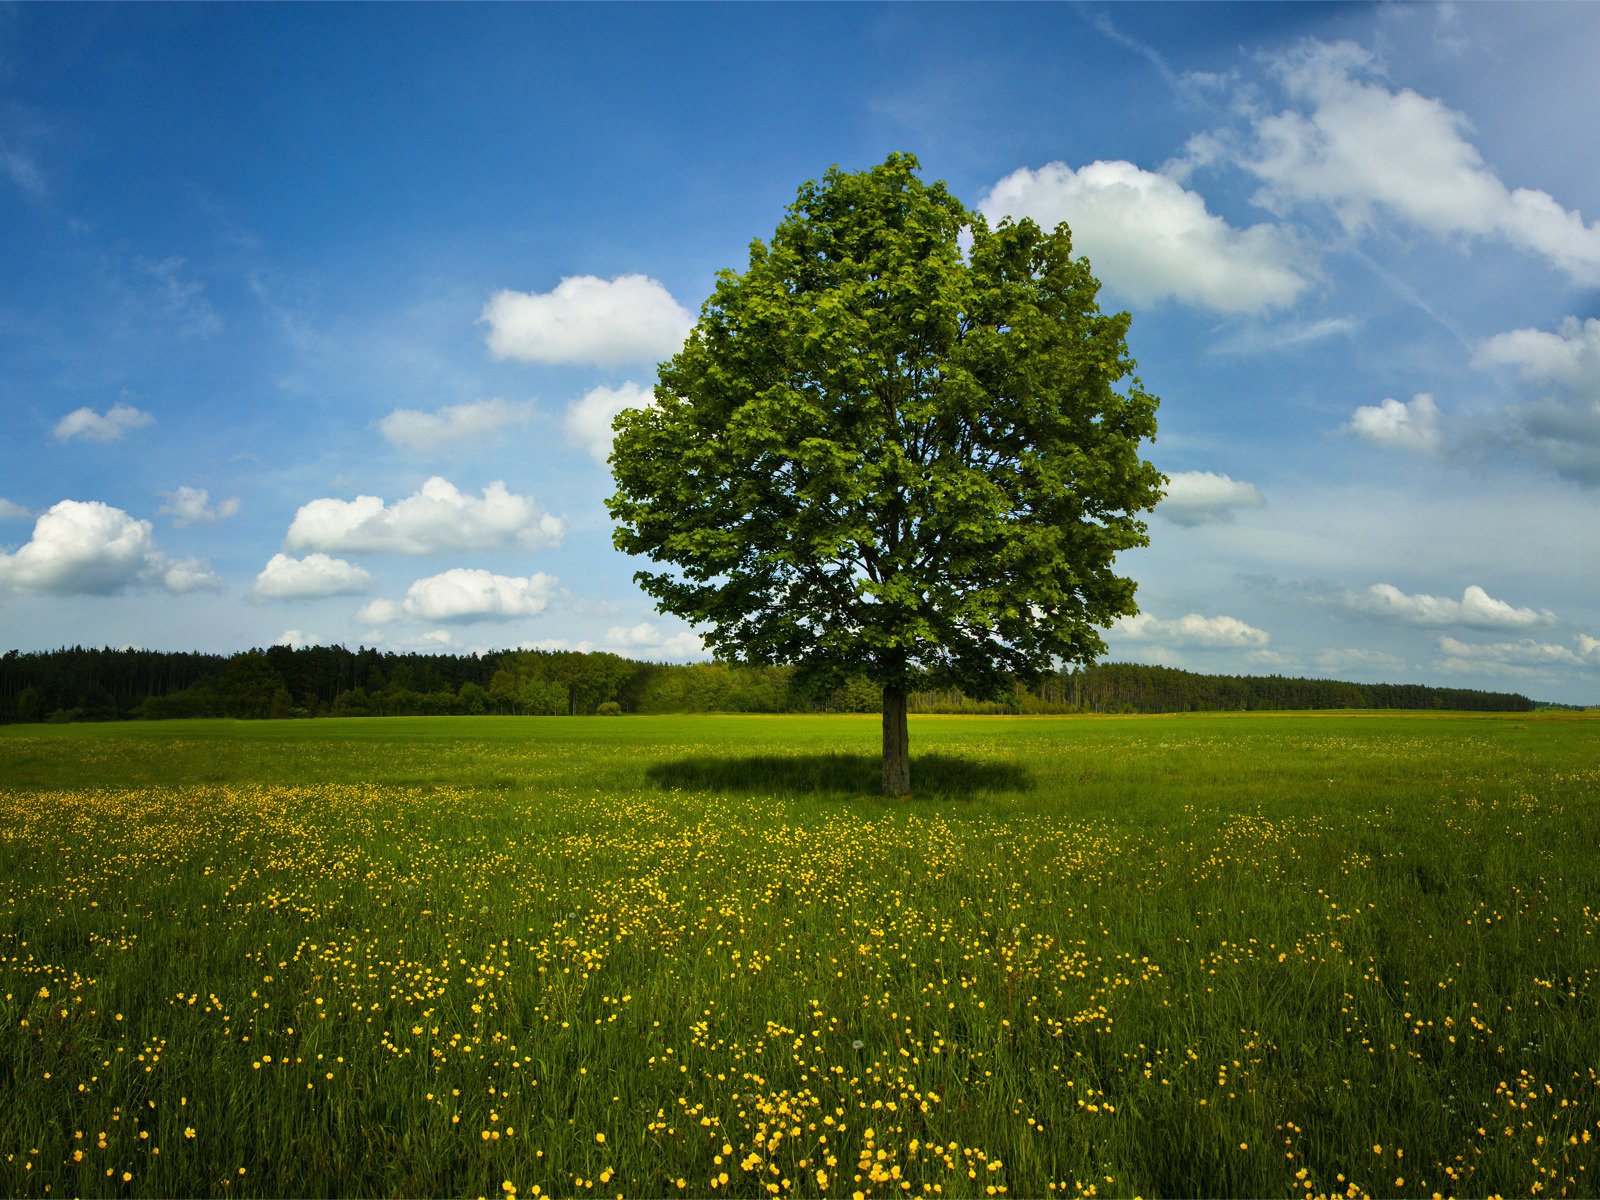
[885, 450]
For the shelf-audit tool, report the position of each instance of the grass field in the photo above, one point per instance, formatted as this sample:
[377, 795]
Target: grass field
[1278, 955]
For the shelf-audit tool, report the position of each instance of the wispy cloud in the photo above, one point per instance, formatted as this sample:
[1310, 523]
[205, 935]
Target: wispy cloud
[427, 432]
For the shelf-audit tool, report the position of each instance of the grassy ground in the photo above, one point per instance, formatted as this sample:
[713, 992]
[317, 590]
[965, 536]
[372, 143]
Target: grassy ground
[1225, 955]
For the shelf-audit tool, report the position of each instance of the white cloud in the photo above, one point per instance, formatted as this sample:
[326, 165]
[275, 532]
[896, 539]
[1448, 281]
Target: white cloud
[1361, 149]
[1398, 425]
[584, 319]
[190, 575]
[463, 594]
[1272, 339]
[588, 420]
[84, 547]
[118, 421]
[648, 638]
[1525, 657]
[1193, 630]
[285, 578]
[1560, 429]
[12, 512]
[1476, 609]
[1149, 239]
[294, 639]
[379, 612]
[1570, 358]
[437, 519]
[188, 505]
[424, 431]
[1204, 497]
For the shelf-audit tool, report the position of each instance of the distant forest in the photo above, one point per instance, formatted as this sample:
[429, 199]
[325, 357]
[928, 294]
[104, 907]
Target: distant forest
[330, 681]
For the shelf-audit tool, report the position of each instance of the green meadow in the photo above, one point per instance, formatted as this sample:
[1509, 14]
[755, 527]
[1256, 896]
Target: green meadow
[1243, 954]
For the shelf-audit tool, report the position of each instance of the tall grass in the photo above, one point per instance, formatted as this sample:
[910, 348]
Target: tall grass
[1240, 955]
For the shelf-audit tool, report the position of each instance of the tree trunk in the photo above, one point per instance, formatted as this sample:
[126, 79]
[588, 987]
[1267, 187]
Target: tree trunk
[896, 743]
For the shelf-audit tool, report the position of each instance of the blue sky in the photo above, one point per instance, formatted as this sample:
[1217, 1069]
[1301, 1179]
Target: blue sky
[312, 319]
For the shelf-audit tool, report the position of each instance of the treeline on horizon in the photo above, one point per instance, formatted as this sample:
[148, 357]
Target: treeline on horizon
[79, 684]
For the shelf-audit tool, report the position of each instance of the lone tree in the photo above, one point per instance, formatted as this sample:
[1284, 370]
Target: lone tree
[878, 454]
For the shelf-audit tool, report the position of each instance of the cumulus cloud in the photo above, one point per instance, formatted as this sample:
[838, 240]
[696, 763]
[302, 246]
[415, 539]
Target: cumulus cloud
[379, 612]
[1194, 630]
[1569, 358]
[588, 420]
[190, 575]
[12, 512]
[412, 429]
[1524, 657]
[286, 578]
[1150, 239]
[1206, 498]
[188, 505]
[437, 519]
[1362, 150]
[1476, 609]
[118, 421]
[463, 594]
[295, 639]
[1560, 429]
[650, 639]
[1398, 425]
[84, 547]
[584, 319]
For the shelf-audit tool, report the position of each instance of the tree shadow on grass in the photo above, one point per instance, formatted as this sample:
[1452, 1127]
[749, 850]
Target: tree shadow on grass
[848, 774]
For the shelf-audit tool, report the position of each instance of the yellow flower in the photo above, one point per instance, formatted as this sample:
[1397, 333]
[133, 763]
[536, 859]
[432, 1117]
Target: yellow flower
[600, 1139]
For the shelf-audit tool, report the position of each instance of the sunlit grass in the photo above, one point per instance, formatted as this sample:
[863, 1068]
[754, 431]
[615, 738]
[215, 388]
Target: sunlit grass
[1244, 955]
